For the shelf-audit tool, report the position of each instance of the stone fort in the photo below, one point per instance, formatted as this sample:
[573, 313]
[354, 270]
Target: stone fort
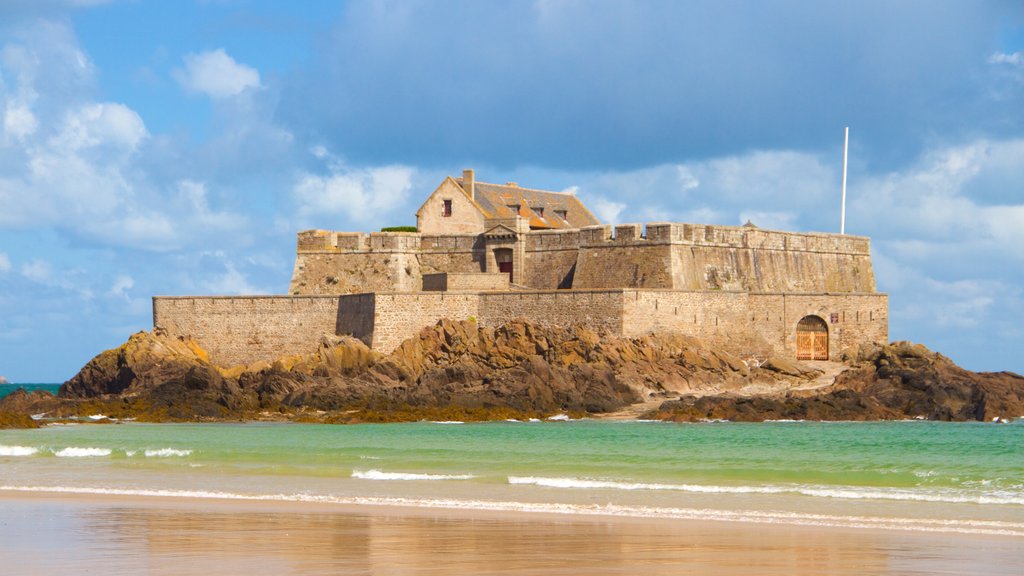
[494, 253]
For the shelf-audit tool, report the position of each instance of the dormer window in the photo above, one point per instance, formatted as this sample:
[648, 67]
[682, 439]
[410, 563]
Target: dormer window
[446, 208]
[539, 210]
[562, 214]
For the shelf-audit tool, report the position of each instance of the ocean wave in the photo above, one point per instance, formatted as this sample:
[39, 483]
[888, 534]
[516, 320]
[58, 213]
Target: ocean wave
[166, 453]
[17, 450]
[447, 422]
[73, 452]
[379, 475]
[988, 527]
[951, 496]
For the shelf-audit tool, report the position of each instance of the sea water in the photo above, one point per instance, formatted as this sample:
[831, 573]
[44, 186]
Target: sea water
[6, 389]
[918, 475]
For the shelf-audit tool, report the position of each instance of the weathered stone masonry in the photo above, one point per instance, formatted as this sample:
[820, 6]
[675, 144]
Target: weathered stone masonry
[494, 253]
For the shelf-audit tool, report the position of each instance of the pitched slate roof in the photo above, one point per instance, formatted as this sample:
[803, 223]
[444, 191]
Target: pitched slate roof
[542, 208]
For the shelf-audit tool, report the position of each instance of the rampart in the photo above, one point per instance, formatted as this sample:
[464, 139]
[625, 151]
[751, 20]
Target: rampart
[242, 330]
[658, 256]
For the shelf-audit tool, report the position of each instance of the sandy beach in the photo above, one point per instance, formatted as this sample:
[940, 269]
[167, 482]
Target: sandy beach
[54, 533]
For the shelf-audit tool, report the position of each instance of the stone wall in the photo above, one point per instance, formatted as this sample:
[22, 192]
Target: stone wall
[596, 309]
[757, 324]
[676, 256]
[244, 329]
[477, 281]
[241, 330]
[398, 316]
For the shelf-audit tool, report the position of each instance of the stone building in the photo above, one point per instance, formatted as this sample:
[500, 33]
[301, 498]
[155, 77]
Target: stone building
[497, 252]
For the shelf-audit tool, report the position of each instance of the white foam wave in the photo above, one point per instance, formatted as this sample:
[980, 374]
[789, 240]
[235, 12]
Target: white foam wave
[842, 492]
[989, 527]
[447, 422]
[379, 475]
[166, 453]
[559, 418]
[72, 452]
[17, 450]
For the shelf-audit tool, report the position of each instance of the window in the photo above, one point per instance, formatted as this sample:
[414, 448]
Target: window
[561, 214]
[446, 208]
[539, 210]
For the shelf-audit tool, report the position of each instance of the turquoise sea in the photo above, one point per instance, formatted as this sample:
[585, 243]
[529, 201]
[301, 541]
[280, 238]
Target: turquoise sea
[915, 476]
[6, 389]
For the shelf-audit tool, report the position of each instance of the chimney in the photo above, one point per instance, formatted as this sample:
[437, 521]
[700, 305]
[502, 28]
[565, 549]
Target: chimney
[469, 183]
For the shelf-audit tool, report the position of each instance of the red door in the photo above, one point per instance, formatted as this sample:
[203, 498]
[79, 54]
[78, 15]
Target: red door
[507, 268]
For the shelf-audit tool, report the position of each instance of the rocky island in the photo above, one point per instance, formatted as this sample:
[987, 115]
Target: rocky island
[510, 302]
[462, 371]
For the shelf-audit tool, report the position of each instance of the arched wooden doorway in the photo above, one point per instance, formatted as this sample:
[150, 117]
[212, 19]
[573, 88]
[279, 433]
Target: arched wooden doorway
[811, 339]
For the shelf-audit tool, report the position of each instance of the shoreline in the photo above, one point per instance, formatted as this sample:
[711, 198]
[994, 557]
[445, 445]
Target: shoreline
[174, 535]
[525, 511]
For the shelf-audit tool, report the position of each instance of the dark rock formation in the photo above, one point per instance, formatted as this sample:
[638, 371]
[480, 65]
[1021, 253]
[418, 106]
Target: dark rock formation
[897, 381]
[518, 368]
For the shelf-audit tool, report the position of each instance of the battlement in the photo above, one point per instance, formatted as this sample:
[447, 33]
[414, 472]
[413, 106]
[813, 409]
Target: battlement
[721, 236]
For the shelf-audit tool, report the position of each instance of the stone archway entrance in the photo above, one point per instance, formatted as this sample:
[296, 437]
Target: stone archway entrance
[811, 339]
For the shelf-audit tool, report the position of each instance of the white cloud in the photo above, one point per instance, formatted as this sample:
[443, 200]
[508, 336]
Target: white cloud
[231, 282]
[216, 74]
[121, 286]
[607, 211]
[1015, 59]
[965, 195]
[19, 121]
[358, 194]
[103, 124]
[37, 271]
[5, 263]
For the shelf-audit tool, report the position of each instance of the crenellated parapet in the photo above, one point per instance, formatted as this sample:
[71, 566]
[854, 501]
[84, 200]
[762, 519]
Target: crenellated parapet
[721, 236]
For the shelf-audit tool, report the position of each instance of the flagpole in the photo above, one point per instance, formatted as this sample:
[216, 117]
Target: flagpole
[842, 217]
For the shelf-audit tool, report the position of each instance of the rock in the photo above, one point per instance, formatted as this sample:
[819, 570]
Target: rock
[523, 367]
[897, 381]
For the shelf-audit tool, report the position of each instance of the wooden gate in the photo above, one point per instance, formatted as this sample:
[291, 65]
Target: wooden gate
[811, 339]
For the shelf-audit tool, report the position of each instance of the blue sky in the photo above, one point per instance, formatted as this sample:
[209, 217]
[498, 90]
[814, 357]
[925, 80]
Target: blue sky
[175, 147]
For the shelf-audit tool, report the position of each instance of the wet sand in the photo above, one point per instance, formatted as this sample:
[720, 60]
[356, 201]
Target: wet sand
[59, 533]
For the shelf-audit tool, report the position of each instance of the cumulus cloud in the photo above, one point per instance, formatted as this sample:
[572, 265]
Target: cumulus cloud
[104, 124]
[964, 194]
[216, 74]
[356, 194]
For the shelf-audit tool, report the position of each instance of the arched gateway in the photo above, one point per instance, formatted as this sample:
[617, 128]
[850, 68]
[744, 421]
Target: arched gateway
[811, 339]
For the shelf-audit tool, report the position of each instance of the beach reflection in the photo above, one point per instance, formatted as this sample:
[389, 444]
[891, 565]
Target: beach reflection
[184, 537]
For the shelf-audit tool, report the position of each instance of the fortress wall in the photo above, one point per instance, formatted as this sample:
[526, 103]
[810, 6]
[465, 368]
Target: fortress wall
[399, 316]
[858, 318]
[598, 309]
[769, 270]
[244, 329]
[458, 262]
[723, 319]
[758, 324]
[550, 258]
[630, 264]
[327, 272]
[549, 269]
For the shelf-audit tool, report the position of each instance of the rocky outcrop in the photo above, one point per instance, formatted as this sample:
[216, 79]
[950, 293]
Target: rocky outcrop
[897, 381]
[520, 368]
